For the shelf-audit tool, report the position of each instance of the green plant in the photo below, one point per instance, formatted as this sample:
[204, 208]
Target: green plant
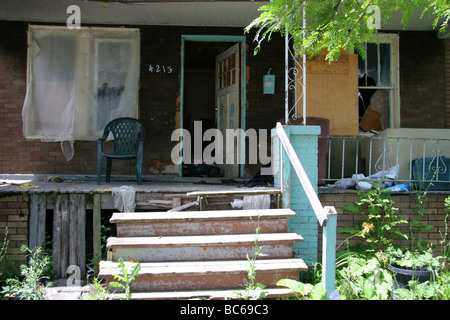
[8, 266]
[3, 250]
[126, 278]
[377, 208]
[253, 290]
[99, 291]
[362, 275]
[428, 290]
[104, 234]
[416, 226]
[338, 26]
[304, 291]
[415, 259]
[33, 282]
[444, 243]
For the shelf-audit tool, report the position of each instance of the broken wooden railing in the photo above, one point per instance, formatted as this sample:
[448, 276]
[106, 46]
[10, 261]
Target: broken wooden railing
[68, 231]
[326, 216]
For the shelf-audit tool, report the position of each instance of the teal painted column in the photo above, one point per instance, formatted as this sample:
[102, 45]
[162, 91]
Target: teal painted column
[304, 140]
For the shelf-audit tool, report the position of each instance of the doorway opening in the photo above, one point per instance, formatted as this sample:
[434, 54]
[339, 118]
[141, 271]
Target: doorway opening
[201, 97]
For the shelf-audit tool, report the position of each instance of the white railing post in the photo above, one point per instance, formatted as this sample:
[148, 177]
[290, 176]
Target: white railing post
[329, 252]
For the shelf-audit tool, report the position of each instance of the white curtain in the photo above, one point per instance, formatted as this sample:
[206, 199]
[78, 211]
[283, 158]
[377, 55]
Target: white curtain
[79, 80]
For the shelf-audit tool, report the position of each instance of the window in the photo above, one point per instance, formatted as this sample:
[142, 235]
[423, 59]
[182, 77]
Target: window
[227, 71]
[79, 80]
[379, 80]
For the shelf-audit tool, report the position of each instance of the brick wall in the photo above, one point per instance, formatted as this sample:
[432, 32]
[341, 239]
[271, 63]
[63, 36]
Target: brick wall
[14, 219]
[158, 101]
[434, 214]
[422, 80]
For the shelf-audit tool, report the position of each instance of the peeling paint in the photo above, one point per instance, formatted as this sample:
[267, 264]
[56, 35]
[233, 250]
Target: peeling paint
[177, 114]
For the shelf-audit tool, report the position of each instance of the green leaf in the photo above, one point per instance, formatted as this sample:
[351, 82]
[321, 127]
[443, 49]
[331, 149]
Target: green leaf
[351, 207]
[317, 292]
[348, 230]
[116, 285]
[302, 288]
[135, 271]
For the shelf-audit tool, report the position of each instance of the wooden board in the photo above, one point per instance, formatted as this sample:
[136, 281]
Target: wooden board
[202, 240]
[109, 268]
[332, 92]
[240, 192]
[143, 217]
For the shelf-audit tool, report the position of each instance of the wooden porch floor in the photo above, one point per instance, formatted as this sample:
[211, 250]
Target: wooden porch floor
[87, 184]
[155, 192]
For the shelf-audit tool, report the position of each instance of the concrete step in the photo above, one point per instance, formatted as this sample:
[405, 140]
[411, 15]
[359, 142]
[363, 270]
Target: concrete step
[146, 224]
[205, 275]
[201, 248]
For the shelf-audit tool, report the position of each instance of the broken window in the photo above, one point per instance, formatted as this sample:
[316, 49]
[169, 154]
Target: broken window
[79, 80]
[378, 85]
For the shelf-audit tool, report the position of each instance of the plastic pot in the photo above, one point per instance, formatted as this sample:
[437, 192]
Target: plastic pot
[402, 275]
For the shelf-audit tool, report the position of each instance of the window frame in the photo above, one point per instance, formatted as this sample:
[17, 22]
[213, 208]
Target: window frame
[86, 55]
[394, 96]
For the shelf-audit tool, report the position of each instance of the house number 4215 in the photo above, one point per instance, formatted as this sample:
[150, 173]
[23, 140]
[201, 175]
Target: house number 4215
[160, 68]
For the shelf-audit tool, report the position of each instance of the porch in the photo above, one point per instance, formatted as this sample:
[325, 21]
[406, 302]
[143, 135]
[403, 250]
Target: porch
[71, 200]
[70, 210]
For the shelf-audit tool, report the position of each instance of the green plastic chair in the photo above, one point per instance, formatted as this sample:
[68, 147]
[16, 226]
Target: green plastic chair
[126, 132]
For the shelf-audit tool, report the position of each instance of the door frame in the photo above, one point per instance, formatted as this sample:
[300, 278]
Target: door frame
[243, 66]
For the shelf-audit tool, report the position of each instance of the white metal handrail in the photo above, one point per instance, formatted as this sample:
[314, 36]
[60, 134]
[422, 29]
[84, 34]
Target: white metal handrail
[319, 210]
[327, 216]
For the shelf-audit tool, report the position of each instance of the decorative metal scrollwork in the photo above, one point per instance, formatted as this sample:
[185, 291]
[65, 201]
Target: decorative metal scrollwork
[295, 82]
[439, 167]
[384, 160]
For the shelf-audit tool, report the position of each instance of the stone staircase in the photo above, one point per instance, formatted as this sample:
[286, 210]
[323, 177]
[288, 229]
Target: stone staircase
[203, 253]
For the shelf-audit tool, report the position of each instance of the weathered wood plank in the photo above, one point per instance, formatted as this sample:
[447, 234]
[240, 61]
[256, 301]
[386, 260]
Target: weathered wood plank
[176, 202]
[81, 233]
[240, 192]
[56, 242]
[202, 202]
[212, 275]
[64, 234]
[73, 226]
[203, 240]
[141, 217]
[33, 226]
[205, 267]
[42, 216]
[97, 230]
